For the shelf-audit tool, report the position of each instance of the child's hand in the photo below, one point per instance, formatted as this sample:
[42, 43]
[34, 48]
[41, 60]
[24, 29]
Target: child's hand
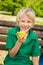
[22, 39]
[21, 36]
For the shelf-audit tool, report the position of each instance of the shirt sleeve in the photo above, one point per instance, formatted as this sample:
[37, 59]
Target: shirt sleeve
[9, 40]
[36, 48]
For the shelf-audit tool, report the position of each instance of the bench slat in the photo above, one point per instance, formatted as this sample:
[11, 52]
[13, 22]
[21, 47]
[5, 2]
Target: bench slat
[2, 47]
[3, 30]
[41, 42]
[38, 27]
[6, 23]
[2, 38]
[40, 35]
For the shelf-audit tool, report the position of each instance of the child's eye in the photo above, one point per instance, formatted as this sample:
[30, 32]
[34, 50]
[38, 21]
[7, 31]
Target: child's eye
[28, 21]
[22, 21]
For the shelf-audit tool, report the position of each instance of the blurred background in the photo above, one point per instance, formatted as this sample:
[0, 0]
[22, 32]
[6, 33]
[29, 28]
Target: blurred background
[9, 10]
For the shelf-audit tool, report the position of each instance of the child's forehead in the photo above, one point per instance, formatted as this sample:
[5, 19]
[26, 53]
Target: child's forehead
[24, 16]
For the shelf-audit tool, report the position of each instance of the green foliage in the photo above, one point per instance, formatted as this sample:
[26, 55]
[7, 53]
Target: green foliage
[15, 5]
[20, 4]
[0, 5]
[37, 5]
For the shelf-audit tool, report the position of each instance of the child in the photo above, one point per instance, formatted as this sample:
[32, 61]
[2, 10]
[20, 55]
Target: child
[20, 49]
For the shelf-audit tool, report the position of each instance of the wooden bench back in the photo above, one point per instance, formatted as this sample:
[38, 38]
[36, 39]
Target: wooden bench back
[5, 25]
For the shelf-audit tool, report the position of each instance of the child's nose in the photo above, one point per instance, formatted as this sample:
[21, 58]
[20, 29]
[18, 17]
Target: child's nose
[25, 23]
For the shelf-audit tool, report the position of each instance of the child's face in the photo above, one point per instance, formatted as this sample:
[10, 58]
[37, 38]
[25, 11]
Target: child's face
[25, 23]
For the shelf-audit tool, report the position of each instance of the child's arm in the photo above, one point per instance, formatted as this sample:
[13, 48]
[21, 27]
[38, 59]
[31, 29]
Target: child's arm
[14, 50]
[21, 38]
[35, 60]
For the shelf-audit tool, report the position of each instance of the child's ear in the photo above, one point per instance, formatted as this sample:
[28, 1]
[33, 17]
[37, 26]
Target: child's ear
[32, 25]
[17, 23]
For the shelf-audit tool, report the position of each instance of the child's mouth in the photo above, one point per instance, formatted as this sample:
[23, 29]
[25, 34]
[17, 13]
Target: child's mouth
[25, 28]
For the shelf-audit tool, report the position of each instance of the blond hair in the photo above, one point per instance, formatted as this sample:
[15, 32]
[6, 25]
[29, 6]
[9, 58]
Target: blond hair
[28, 11]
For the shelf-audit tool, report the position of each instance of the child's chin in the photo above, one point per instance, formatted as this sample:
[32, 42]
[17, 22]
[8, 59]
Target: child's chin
[25, 31]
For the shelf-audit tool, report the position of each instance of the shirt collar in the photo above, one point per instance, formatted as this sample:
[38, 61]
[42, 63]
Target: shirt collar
[31, 36]
[15, 30]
